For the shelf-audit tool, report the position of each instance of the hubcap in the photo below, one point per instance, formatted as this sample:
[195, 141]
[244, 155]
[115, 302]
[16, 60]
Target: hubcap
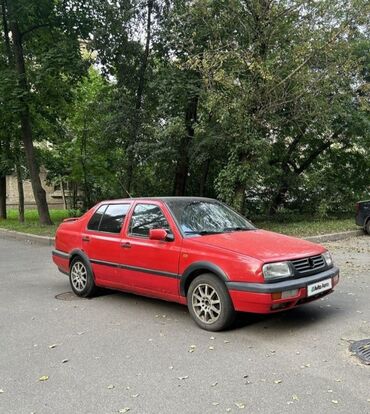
[206, 303]
[79, 276]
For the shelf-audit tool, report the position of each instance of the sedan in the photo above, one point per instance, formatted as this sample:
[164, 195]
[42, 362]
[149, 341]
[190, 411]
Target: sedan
[195, 251]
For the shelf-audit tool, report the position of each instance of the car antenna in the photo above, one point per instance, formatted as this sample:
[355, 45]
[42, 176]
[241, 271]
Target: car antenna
[124, 189]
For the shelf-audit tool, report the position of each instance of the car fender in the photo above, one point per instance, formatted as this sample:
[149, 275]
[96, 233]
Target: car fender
[83, 255]
[199, 268]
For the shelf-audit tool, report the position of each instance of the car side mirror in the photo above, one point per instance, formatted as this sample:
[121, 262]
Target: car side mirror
[160, 234]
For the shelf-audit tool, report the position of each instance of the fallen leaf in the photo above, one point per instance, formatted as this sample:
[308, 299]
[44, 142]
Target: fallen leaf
[240, 405]
[64, 361]
[53, 346]
[124, 410]
[215, 403]
[1, 391]
[44, 378]
[110, 387]
[214, 384]
[330, 391]
[279, 381]
[211, 348]
[226, 341]
[334, 401]
[295, 397]
[212, 338]
[184, 377]
[171, 367]
[338, 380]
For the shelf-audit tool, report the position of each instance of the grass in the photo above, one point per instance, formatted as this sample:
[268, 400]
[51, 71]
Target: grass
[306, 227]
[31, 224]
[294, 225]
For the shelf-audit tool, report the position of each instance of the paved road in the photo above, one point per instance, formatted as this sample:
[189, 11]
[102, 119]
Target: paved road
[123, 351]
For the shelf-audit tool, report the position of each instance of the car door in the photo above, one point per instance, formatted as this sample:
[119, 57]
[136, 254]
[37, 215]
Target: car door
[101, 242]
[151, 266]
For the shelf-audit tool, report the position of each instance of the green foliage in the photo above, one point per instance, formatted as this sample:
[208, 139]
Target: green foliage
[262, 104]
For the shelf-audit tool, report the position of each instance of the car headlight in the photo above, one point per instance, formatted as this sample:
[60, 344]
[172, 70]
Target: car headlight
[328, 259]
[276, 270]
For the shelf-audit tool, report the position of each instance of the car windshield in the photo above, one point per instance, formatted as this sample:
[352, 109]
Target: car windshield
[202, 217]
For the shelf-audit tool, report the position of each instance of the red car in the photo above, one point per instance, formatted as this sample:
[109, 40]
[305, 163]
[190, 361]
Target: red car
[195, 251]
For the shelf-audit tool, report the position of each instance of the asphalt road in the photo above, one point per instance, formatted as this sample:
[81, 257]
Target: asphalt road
[120, 351]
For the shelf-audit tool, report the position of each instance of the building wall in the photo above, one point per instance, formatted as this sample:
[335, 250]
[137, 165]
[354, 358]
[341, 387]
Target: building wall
[53, 198]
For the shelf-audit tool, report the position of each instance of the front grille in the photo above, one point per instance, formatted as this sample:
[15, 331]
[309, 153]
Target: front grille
[308, 264]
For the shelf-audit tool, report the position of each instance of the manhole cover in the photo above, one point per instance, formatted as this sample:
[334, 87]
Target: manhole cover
[67, 296]
[362, 350]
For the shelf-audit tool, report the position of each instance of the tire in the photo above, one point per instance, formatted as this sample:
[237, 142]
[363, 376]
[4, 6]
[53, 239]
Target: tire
[367, 227]
[203, 289]
[81, 278]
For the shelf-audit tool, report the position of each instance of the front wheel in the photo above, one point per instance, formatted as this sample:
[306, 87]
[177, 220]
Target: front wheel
[209, 303]
[81, 278]
[367, 227]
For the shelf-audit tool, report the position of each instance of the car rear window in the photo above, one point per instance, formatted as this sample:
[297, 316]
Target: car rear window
[113, 218]
[96, 218]
[109, 218]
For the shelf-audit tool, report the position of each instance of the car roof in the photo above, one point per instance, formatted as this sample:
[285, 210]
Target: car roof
[164, 199]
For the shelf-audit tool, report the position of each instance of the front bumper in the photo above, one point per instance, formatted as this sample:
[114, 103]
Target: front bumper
[259, 297]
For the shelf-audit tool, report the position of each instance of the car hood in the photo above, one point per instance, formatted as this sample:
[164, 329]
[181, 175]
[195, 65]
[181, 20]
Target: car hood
[262, 245]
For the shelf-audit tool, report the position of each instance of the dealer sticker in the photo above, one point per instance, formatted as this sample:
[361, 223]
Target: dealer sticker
[319, 287]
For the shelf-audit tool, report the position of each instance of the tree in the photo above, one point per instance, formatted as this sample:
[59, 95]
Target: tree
[45, 53]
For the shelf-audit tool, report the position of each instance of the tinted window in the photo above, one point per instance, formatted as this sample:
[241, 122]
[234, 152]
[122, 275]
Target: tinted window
[95, 219]
[146, 217]
[113, 218]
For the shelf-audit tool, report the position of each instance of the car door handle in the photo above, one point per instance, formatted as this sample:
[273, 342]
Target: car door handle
[85, 238]
[126, 245]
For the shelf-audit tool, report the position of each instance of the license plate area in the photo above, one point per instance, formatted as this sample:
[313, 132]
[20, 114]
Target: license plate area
[319, 287]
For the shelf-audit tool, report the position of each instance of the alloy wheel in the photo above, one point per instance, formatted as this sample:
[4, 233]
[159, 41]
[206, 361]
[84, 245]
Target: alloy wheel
[206, 303]
[79, 276]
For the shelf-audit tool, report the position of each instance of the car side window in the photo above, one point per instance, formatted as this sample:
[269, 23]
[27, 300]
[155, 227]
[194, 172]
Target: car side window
[109, 218]
[96, 218]
[113, 218]
[146, 217]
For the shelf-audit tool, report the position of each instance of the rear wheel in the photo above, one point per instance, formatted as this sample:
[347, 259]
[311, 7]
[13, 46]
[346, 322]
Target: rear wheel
[209, 303]
[81, 278]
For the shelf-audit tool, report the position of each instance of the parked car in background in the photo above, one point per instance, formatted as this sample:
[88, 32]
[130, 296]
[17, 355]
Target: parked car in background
[363, 215]
[195, 251]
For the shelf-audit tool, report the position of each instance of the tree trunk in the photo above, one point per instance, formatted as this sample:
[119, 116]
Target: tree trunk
[63, 193]
[182, 165]
[240, 198]
[18, 169]
[26, 129]
[204, 177]
[3, 197]
[83, 153]
[139, 102]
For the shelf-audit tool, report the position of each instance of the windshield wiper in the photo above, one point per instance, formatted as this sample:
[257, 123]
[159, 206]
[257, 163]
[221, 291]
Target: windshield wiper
[202, 232]
[228, 229]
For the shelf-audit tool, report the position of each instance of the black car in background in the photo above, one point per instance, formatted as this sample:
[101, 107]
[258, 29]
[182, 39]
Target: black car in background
[363, 215]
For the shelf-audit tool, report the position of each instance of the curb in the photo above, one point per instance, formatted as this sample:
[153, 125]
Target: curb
[49, 241]
[29, 238]
[334, 236]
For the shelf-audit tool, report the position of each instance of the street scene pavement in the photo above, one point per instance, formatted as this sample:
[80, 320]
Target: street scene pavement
[124, 353]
